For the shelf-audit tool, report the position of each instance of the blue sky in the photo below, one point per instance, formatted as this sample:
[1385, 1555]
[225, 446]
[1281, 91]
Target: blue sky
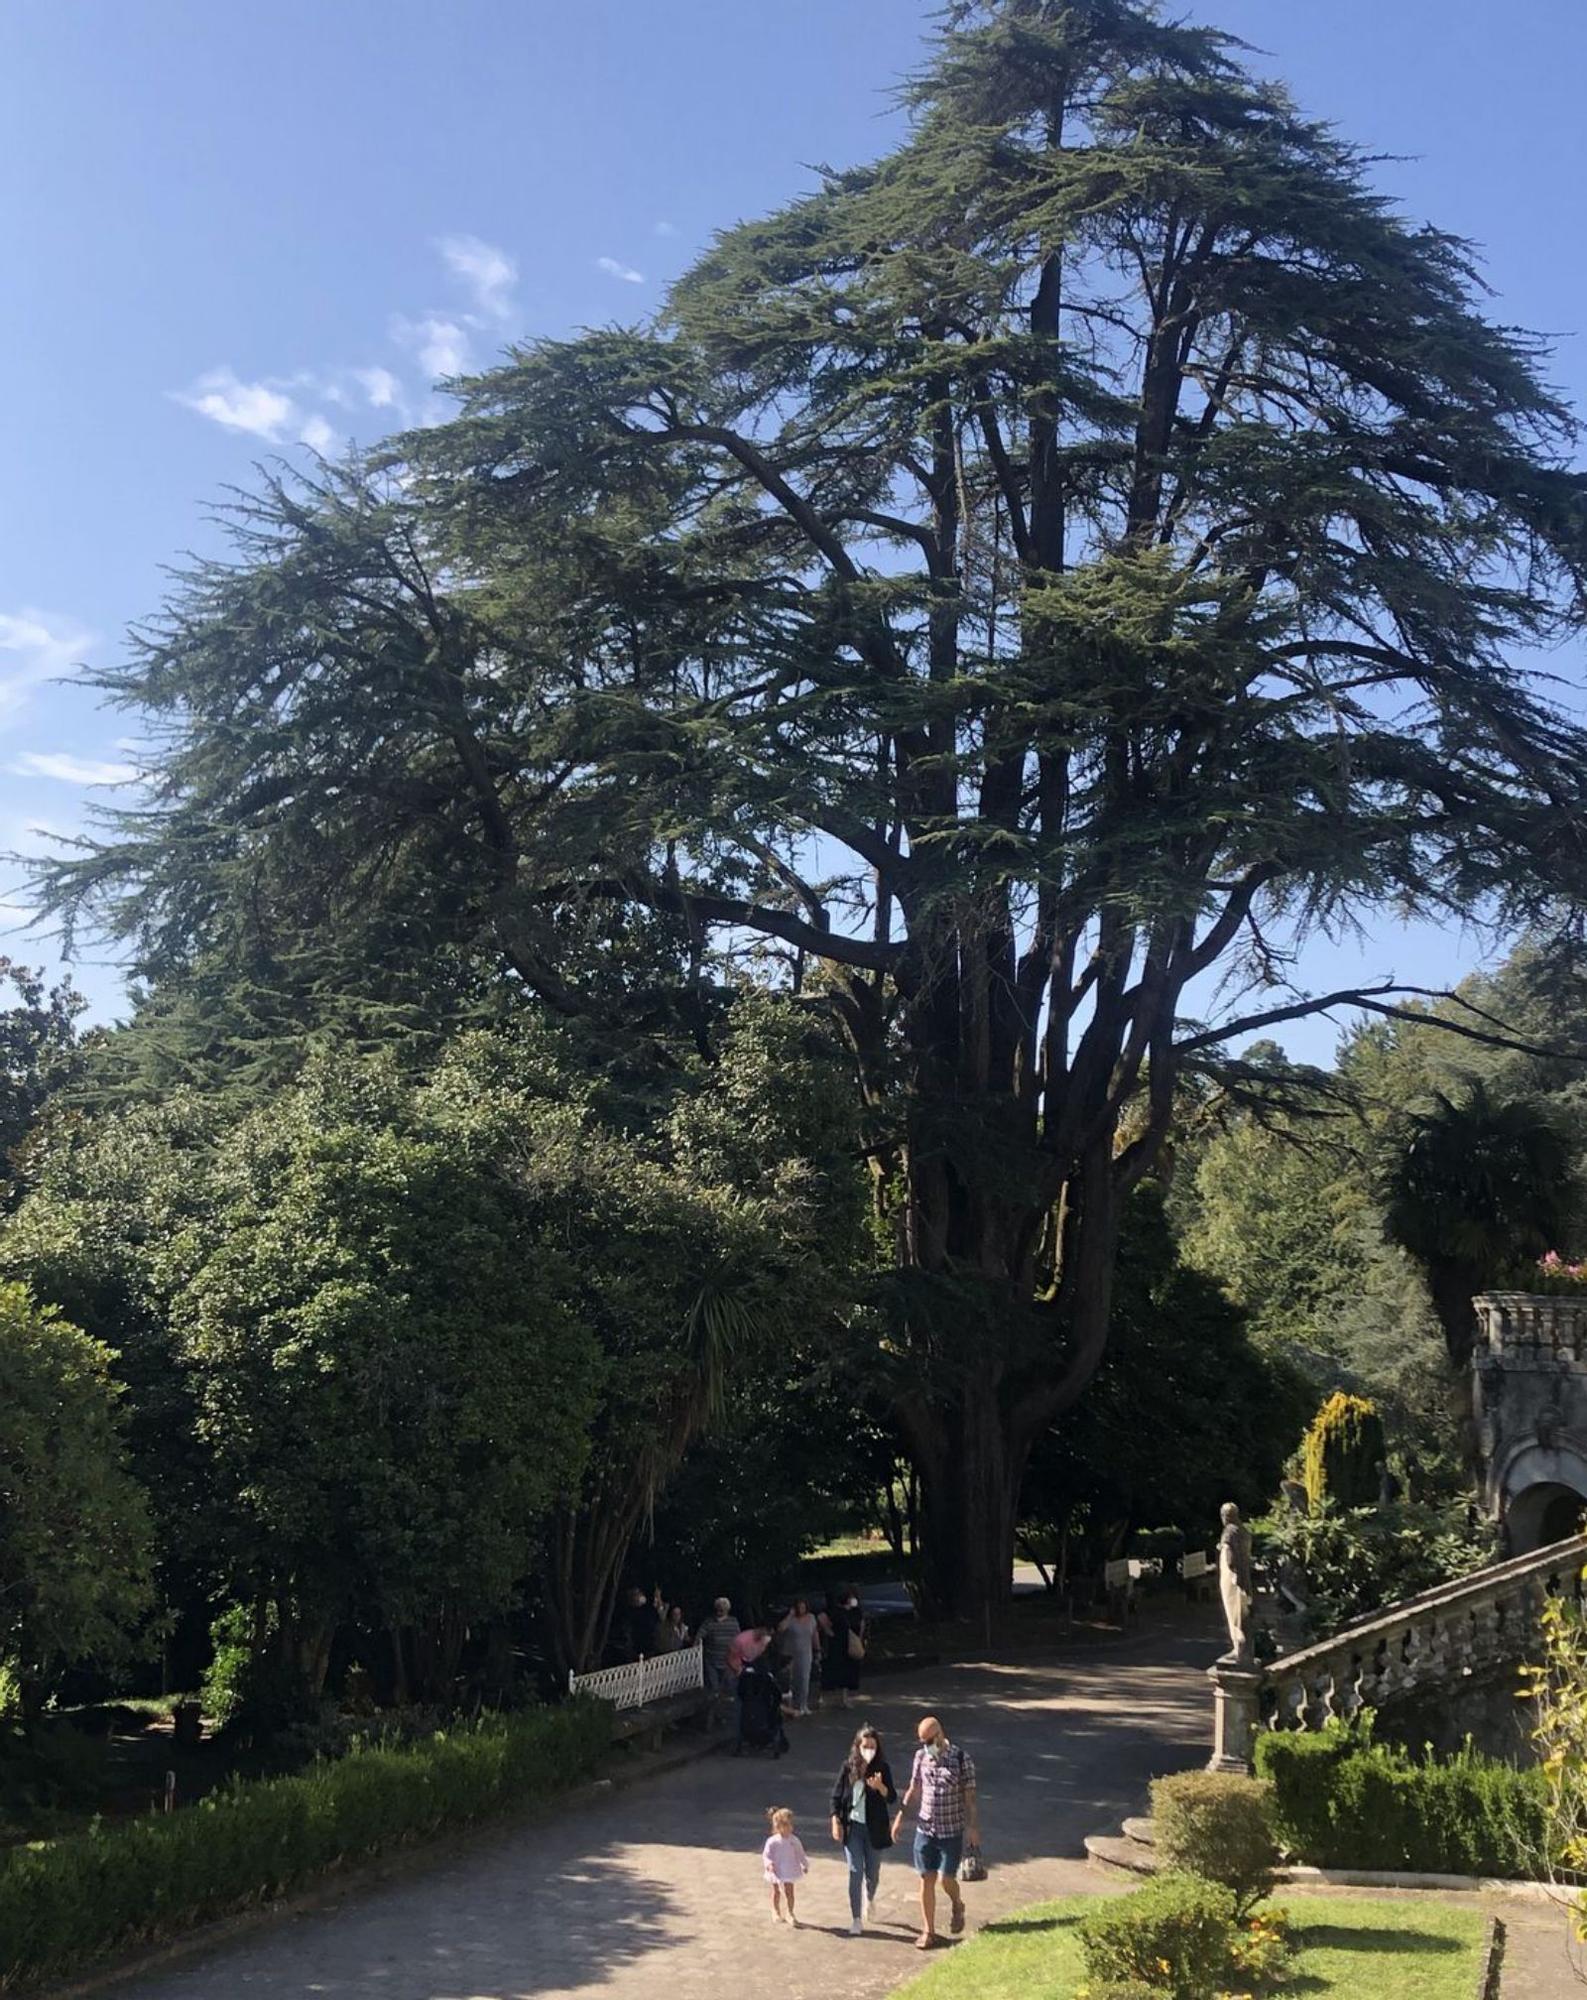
[230, 229]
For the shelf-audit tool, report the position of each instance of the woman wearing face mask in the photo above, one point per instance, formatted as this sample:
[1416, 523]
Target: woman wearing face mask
[843, 1645]
[862, 1800]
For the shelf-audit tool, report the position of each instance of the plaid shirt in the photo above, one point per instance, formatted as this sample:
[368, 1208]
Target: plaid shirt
[942, 1783]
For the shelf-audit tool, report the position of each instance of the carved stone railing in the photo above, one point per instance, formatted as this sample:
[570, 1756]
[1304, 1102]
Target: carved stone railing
[1540, 1327]
[1426, 1643]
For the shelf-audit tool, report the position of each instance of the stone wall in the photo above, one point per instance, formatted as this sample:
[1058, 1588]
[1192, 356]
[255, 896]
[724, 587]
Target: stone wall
[1529, 1403]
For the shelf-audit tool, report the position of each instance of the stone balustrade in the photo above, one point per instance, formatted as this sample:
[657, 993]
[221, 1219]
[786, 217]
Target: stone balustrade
[1535, 1327]
[1423, 1645]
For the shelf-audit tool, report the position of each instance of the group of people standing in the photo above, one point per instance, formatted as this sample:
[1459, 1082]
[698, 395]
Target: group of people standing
[787, 1646]
[867, 1816]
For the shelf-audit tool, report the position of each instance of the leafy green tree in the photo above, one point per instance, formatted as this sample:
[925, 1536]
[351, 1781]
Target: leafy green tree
[393, 1395]
[1008, 582]
[39, 1054]
[108, 1203]
[1356, 1560]
[793, 1460]
[75, 1542]
[1281, 1218]
[705, 1256]
[1185, 1413]
[1475, 1189]
[1344, 1452]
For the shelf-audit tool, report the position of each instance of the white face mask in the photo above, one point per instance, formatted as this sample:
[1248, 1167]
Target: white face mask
[867, 1756]
[935, 1748]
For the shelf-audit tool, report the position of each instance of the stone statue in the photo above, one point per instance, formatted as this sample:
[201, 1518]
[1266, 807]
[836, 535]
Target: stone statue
[1296, 1497]
[1234, 1584]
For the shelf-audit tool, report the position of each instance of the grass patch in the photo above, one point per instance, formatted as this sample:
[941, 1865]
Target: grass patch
[1350, 1947]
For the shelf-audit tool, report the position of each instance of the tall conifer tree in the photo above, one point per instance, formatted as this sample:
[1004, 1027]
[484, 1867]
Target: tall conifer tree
[1011, 584]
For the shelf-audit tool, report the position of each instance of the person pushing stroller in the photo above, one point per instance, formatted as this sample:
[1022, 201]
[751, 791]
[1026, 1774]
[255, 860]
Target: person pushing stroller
[759, 1699]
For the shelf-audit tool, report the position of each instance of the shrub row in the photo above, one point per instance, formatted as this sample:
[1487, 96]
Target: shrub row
[1341, 1800]
[66, 1902]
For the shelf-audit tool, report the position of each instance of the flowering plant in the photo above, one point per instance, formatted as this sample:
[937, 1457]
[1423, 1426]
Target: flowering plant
[1262, 1948]
[1556, 1275]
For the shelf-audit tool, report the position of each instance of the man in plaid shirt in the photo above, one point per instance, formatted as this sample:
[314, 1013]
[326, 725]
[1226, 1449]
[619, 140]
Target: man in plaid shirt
[942, 1784]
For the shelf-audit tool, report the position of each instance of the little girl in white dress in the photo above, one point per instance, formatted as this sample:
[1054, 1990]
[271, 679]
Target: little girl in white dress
[783, 1861]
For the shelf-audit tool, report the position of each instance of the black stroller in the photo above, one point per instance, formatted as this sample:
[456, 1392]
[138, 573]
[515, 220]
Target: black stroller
[759, 1712]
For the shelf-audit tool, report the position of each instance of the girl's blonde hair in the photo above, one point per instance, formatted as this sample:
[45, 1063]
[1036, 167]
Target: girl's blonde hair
[780, 1819]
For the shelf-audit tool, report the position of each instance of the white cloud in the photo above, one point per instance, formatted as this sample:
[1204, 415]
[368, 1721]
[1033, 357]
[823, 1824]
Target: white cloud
[380, 386]
[665, 228]
[488, 272]
[71, 770]
[613, 269]
[317, 435]
[255, 407]
[34, 649]
[442, 344]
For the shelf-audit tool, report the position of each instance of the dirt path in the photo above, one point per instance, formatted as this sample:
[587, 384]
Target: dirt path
[656, 1890]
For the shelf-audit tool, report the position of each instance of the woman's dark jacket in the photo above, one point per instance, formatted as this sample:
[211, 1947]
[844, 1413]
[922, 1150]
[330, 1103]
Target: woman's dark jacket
[878, 1814]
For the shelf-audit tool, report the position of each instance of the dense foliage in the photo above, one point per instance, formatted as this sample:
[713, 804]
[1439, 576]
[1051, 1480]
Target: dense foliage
[1004, 586]
[1218, 1826]
[1175, 1936]
[75, 1544]
[1460, 1134]
[388, 1336]
[1341, 1800]
[1185, 1411]
[64, 1903]
[1346, 1563]
[1344, 1453]
[39, 1056]
[1556, 1687]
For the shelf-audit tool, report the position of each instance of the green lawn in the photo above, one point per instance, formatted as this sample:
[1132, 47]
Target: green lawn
[1360, 1948]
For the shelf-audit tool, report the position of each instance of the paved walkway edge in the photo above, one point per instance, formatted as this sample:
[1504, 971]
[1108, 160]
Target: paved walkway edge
[137, 1960]
[1492, 1961]
[1382, 1878]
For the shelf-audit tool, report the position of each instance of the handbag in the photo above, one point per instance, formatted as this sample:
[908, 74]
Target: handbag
[856, 1645]
[973, 1868]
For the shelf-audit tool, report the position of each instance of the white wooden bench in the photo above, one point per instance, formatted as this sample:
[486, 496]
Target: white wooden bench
[1119, 1579]
[1196, 1572]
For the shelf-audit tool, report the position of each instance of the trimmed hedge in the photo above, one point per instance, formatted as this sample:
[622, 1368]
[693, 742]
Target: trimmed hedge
[64, 1903]
[1219, 1827]
[1342, 1801]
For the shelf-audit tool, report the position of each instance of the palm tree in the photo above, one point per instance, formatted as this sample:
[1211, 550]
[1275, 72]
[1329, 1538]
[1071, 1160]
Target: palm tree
[1472, 1190]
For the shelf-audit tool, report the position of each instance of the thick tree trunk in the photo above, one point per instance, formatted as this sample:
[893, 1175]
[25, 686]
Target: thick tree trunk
[970, 1497]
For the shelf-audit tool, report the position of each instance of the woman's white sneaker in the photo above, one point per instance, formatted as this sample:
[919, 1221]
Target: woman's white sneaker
[856, 1929]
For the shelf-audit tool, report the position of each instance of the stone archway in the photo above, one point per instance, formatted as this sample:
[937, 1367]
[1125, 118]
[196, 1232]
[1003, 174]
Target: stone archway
[1544, 1514]
[1542, 1493]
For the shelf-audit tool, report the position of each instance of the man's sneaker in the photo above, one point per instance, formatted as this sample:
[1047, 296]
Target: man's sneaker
[856, 1929]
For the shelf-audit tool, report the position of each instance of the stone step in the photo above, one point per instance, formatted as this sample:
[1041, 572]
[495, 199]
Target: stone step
[1129, 1857]
[1142, 1831]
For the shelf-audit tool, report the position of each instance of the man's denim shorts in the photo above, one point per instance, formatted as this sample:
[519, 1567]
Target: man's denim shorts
[938, 1853]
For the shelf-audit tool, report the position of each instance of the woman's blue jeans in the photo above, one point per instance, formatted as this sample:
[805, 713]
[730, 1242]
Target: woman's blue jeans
[865, 1867]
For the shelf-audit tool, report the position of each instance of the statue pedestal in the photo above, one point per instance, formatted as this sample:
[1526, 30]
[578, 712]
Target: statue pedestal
[1236, 1713]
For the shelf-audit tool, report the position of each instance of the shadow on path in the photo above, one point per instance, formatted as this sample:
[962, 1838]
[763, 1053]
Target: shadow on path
[661, 1882]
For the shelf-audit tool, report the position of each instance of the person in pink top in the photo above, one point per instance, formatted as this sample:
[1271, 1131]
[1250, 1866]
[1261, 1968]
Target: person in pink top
[783, 1861]
[746, 1647]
